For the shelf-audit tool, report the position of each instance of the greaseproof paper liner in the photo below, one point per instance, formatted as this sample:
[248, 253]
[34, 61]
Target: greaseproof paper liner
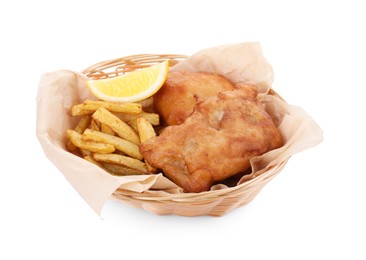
[240, 63]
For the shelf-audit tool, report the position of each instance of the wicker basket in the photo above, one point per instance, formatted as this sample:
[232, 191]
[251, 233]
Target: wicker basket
[214, 202]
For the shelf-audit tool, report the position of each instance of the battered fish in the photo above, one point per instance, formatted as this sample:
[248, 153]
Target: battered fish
[176, 99]
[215, 142]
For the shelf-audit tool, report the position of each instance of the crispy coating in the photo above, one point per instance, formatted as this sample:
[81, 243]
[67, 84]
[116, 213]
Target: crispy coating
[176, 99]
[215, 142]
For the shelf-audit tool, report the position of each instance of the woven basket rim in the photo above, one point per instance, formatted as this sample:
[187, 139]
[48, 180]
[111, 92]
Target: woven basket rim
[119, 66]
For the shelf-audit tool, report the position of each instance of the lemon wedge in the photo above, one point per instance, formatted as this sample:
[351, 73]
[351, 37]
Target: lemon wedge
[131, 87]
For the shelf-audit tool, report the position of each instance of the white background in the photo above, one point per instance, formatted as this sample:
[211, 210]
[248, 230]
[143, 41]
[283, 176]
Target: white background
[315, 208]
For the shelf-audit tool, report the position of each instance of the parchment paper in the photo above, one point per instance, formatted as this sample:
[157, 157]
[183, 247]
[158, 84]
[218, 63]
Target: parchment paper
[241, 63]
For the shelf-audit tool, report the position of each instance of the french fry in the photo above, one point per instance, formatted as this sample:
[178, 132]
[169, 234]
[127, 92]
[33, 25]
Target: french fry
[91, 159]
[94, 125]
[151, 117]
[132, 108]
[121, 160]
[80, 127]
[121, 128]
[76, 140]
[70, 146]
[106, 129]
[85, 152]
[120, 170]
[144, 129]
[133, 124]
[120, 144]
[146, 132]
[83, 124]
[90, 106]
[113, 168]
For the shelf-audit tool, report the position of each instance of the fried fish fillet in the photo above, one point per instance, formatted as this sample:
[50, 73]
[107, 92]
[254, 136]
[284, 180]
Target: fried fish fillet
[215, 142]
[176, 99]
